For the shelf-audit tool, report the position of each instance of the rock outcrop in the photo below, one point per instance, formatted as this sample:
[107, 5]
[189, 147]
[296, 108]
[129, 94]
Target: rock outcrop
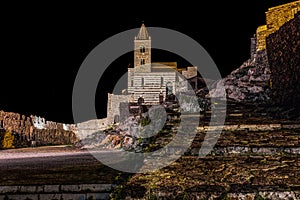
[249, 82]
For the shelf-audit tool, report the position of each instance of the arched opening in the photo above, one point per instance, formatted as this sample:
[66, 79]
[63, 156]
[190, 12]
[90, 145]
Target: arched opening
[142, 49]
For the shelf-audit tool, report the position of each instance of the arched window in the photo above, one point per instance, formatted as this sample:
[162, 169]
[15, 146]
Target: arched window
[143, 81]
[142, 49]
[142, 61]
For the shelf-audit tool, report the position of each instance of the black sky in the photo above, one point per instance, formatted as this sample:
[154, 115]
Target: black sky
[44, 45]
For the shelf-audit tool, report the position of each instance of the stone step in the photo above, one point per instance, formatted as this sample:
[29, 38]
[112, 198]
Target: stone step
[235, 150]
[64, 192]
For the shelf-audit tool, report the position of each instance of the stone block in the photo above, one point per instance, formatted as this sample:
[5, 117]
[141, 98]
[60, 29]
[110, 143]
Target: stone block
[23, 197]
[8, 189]
[97, 187]
[70, 196]
[51, 188]
[71, 188]
[54, 196]
[28, 189]
[98, 196]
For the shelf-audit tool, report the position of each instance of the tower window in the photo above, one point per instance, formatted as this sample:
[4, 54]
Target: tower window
[142, 61]
[142, 49]
[161, 81]
[143, 81]
[131, 83]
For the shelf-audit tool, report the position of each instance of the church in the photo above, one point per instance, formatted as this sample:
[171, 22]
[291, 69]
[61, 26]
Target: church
[154, 81]
[149, 83]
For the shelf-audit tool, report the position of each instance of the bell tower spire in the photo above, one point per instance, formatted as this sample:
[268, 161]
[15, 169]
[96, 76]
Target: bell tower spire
[142, 47]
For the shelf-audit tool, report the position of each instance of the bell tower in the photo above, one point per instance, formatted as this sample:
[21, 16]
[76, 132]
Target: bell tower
[142, 47]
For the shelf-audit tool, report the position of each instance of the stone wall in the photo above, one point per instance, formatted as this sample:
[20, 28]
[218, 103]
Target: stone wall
[283, 49]
[261, 34]
[252, 81]
[117, 108]
[37, 128]
[253, 47]
[190, 72]
[279, 15]
[275, 18]
[87, 128]
[19, 123]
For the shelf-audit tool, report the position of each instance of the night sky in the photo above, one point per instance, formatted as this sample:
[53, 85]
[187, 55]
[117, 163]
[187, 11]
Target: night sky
[44, 45]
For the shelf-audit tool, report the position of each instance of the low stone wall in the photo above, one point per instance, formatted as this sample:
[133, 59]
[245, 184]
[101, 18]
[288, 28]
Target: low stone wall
[87, 128]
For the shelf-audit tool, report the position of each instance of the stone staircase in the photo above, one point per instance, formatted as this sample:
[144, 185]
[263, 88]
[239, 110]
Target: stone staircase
[255, 157]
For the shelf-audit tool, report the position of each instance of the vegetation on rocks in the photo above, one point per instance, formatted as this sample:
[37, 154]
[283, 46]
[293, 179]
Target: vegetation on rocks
[7, 140]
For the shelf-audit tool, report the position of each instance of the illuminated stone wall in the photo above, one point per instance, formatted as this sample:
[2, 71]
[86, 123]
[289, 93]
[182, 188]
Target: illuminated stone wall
[275, 18]
[261, 34]
[279, 15]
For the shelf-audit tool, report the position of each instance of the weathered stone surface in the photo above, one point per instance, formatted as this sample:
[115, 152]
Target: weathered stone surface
[28, 189]
[278, 195]
[100, 196]
[275, 18]
[277, 56]
[49, 196]
[283, 49]
[23, 197]
[247, 83]
[115, 113]
[33, 128]
[51, 188]
[7, 189]
[87, 128]
[97, 187]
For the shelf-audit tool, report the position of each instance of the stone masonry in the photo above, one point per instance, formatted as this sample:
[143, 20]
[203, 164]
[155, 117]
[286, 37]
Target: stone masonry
[38, 129]
[283, 49]
[117, 108]
[275, 18]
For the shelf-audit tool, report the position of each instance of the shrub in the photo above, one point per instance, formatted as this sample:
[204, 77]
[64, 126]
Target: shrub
[145, 121]
[8, 140]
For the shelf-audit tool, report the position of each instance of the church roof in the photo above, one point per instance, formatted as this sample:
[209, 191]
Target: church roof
[143, 33]
[164, 66]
